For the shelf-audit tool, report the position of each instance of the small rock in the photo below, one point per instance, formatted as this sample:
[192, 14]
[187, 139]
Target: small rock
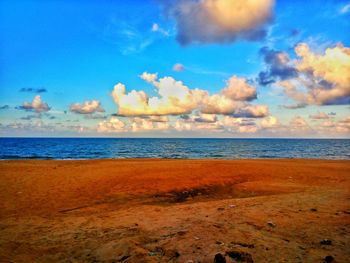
[196, 238]
[171, 253]
[232, 206]
[326, 242]
[221, 209]
[189, 261]
[219, 258]
[313, 210]
[182, 232]
[271, 224]
[219, 243]
[329, 259]
[240, 256]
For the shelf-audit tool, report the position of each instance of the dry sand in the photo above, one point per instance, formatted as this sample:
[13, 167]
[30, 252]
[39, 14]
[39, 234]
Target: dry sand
[150, 210]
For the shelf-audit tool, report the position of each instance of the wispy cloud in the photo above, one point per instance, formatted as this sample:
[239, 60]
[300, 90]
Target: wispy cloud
[345, 9]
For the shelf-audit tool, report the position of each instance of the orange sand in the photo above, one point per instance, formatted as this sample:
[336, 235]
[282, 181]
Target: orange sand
[150, 210]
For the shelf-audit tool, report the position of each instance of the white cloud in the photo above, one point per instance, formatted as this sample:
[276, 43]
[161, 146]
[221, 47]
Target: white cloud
[270, 122]
[142, 124]
[231, 98]
[174, 98]
[149, 77]
[36, 105]
[252, 111]
[324, 79]
[238, 89]
[298, 124]
[88, 107]
[111, 125]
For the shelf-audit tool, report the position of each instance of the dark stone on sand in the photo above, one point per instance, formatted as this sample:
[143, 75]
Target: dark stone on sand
[271, 224]
[240, 256]
[219, 258]
[329, 259]
[182, 232]
[313, 210]
[326, 242]
[172, 253]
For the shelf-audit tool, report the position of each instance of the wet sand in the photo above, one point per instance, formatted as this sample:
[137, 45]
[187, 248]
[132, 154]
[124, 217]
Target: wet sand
[149, 210]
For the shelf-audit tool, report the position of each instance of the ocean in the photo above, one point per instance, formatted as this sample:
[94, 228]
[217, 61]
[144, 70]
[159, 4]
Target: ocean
[99, 148]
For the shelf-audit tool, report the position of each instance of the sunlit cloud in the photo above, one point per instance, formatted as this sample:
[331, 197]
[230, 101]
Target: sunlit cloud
[88, 107]
[219, 21]
[36, 105]
[312, 78]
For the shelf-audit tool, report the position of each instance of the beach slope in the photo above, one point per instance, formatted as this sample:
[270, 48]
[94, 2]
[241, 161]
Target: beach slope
[152, 210]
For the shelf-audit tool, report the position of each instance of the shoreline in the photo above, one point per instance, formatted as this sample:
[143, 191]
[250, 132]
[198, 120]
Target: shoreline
[174, 210]
[174, 159]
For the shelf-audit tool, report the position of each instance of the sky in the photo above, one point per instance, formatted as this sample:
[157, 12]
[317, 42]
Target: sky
[175, 68]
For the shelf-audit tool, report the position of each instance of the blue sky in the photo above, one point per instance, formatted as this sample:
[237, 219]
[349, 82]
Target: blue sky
[77, 51]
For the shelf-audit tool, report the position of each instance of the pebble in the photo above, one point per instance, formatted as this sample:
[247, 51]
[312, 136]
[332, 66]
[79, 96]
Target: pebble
[271, 224]
[326, 242]
[329, 259]
[219, 258]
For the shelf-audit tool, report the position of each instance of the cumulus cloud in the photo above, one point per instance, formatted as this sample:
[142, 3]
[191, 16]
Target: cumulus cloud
[36, 105]
[324, 79]
[231, 98]
[111, 125]
[209, 118]
[192, 124]
[339, 127]
[298, 124]
[145, 124]
[278, 67]
[241, 125]
[88, 107]
[219, 21]
[174, 98]
[270, 122]
[178, 67]
[252, 111]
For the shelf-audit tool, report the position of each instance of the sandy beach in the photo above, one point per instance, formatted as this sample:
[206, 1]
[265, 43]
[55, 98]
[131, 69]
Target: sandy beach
[150, 210]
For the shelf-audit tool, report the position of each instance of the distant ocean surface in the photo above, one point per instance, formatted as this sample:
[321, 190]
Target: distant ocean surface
[99, 148]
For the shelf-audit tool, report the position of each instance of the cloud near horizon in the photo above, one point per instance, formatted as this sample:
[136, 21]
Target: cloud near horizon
[88, 107]
[175, 98]
[219, 21]
[36, 105]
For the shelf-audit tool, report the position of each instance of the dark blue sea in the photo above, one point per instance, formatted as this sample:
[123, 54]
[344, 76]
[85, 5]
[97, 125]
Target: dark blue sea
[98, 148]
